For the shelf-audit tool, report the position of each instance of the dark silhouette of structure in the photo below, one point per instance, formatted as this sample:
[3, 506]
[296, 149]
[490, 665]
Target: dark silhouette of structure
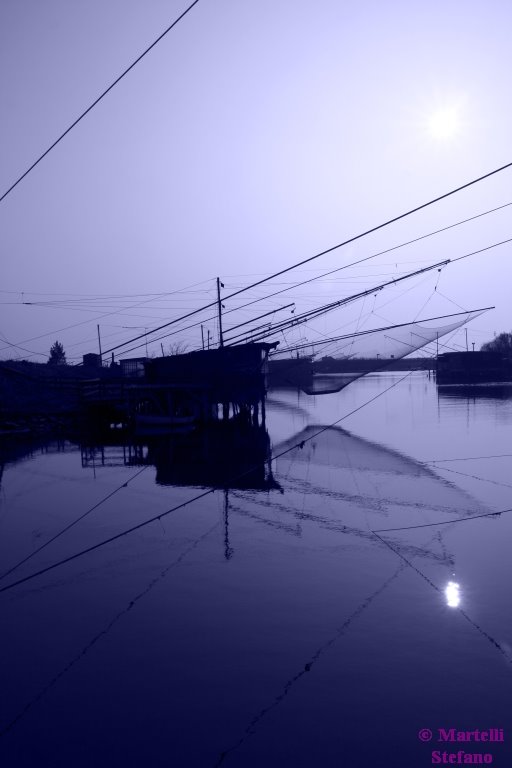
[174, 392]
[473, 368]
[228, 454]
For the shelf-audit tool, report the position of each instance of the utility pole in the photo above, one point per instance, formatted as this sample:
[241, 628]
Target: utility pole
[208, 338]
[473, 343]
[99, 343]
[467, 348]
[202, 336]
[146, 340]
[437, 344]
[162, 348]
[219, 305]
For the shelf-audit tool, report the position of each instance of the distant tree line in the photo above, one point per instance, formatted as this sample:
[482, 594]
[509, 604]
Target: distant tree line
[501, 343]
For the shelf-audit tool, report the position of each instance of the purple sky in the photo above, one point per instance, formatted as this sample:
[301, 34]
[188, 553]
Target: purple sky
[253, 136]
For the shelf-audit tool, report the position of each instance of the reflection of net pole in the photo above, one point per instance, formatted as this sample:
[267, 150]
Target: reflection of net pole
[227, 549]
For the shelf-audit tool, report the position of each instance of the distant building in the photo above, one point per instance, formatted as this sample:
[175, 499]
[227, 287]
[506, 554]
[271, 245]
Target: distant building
[133, 367]
[91, 360]
[473, 368]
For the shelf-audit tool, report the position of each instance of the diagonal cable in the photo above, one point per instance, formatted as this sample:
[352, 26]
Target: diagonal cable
[96, 101]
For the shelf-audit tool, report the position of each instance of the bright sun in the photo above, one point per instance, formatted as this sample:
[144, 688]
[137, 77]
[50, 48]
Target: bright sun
[444, 124]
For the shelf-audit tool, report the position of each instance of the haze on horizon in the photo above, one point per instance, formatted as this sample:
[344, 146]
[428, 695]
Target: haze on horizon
[253, 136]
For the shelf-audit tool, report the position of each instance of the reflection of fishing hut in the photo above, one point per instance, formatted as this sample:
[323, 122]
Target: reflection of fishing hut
[227, 455]
[180, 391]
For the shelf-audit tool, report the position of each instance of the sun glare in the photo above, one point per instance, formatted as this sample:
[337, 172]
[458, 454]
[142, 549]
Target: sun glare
[444, 124]
[452, 594]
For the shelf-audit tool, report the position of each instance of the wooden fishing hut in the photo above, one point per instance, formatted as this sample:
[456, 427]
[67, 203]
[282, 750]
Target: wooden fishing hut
[201, 387]
[473, 368]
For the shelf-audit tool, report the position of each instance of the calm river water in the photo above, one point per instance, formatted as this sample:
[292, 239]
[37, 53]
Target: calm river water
[276, 623]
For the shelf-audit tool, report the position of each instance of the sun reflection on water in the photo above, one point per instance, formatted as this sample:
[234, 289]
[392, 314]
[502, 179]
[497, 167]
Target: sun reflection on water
[452, 594]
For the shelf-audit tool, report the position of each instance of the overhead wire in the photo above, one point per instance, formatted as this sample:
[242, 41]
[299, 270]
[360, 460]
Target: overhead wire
[99, 317]
[378, 330]
[319, 311]
[444, 263]
[283, 290]
[372, 312]
[98, 99]
[352, 239]
[448, 261]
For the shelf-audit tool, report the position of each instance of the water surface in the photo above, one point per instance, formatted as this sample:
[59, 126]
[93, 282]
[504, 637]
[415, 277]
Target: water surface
[267, 624]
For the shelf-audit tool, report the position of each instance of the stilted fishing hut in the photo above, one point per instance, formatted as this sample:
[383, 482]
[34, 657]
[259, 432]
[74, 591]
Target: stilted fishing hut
[201, 387]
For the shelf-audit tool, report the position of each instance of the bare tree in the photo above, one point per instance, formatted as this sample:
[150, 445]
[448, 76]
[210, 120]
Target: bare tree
[178, 348]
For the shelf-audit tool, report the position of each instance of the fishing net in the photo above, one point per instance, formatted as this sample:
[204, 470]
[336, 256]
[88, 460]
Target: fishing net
[355, 354]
